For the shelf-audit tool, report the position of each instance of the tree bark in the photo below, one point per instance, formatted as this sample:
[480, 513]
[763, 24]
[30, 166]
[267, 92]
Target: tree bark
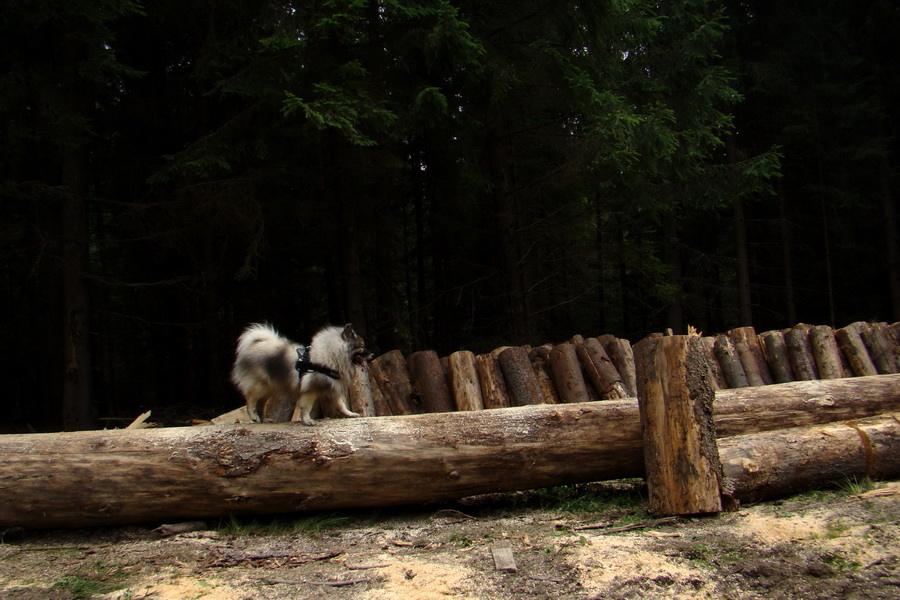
[751, 354]
[567, 375]
[464, 381]
[779, 463]
[622, 356]
[675, 400]
[717, 377]
[362, 399]
[802, 364]
[540, 363]
[521, 382]
[129, 476]
[600, 371]
[78, 407]
[851, 343]
[730, 362]
[827, 355]
[777, 356]
[428, 378]
[883, 349]
[803, 403]
[493, 387]
[391, 375]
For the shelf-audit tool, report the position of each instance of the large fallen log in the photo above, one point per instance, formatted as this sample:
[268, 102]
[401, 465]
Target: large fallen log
[130, 476]
[779, 463]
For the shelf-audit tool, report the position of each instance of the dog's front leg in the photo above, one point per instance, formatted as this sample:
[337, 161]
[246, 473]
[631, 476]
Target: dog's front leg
[303, 407]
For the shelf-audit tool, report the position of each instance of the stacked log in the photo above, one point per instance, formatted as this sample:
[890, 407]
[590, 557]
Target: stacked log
[603, 368]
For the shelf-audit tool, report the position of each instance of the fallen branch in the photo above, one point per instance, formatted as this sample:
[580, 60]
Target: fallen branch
[308, 582]
[641, 525]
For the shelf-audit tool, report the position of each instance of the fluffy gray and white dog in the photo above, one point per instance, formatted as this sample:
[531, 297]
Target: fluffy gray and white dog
[268, 366]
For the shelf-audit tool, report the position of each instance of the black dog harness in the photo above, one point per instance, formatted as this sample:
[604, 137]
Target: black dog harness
[304, 365]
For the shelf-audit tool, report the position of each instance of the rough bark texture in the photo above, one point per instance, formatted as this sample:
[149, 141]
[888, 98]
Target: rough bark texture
[717, 377]
[567, 375]
[803, 403]
[521, 382]
[361, 399]
[803, 366]
[751, 354]
[493, 387]
[600, 370]
[540, 363]
[777, 356]
[851, 343]
[131, 476]
[883, 349]
[680, 456]
[730, 362]
[464, 381]
[829, 362]
[783, 462]
[430, 381]
[622, 356]
[750, 365]
[391, 375]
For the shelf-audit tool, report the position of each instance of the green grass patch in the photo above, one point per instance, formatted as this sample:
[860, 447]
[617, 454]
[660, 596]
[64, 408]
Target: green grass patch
[89, 584]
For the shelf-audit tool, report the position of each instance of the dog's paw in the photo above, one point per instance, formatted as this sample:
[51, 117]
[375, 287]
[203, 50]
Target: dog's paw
[308, 421]
[351, 414]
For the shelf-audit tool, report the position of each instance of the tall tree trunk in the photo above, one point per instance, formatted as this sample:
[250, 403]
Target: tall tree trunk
[673, 259]
[78, 402]
[784, 230]
[743, 264]
[350, 253]
[508, 232]
[891, 242]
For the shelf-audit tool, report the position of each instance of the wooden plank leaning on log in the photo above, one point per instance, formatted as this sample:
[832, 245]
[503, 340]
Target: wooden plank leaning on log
[130, 476]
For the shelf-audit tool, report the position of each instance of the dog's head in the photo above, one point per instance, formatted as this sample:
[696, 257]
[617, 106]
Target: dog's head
[360, 355]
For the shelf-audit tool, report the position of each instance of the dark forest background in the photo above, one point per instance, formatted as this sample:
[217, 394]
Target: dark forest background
[443, 174]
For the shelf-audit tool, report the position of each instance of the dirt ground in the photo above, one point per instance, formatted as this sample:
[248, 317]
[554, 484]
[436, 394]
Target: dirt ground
[834, 544]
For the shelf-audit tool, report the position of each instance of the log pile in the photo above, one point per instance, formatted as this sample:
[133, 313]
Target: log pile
[702, 447]
[603, 368]
[88, 478]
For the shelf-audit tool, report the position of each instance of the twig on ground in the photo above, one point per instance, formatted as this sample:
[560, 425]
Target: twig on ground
[343, 583]
[633, 526]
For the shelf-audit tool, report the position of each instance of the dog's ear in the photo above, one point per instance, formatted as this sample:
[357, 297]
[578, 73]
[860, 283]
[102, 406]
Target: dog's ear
[348, 333]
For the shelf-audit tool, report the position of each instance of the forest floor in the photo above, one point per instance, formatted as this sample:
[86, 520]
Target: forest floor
[568, 542]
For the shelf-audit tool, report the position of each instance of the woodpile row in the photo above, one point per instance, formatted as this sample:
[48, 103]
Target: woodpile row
[603, 368]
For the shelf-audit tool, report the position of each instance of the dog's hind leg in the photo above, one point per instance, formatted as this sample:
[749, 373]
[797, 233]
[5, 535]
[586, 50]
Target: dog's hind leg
[303, 407]
[341, 402]
[254, 396]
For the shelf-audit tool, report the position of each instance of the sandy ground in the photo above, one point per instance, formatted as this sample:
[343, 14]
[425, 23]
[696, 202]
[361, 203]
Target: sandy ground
[818, 545]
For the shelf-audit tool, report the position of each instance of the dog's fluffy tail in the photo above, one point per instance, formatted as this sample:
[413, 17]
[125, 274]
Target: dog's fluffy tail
[256, 333]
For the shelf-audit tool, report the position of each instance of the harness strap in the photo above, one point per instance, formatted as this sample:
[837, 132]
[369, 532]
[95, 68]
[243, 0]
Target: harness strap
[304, 365]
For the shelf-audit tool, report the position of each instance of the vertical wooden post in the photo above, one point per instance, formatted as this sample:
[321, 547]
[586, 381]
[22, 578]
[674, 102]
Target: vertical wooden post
[430, 381]
[521, 382]
[464, 381]
[675, 398]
